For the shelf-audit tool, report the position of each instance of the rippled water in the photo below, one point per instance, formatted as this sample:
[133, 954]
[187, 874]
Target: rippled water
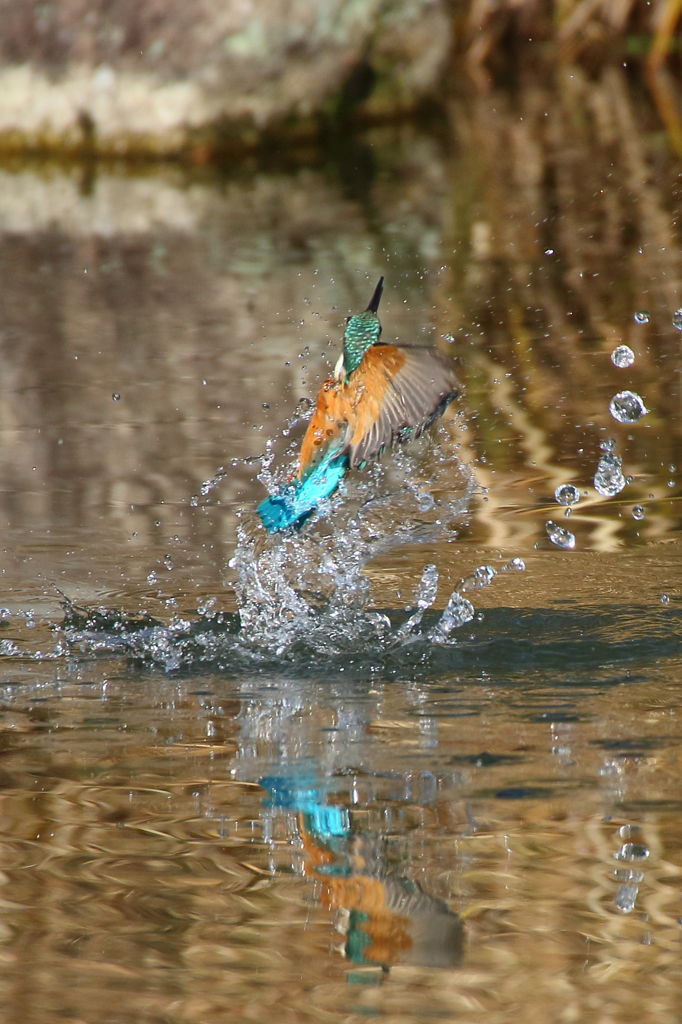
[372, 769]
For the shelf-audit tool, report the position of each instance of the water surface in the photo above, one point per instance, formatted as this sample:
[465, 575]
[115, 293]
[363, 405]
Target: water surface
[303, 810]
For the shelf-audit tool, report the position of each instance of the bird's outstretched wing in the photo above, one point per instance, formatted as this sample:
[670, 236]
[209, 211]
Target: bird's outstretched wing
[397, 393]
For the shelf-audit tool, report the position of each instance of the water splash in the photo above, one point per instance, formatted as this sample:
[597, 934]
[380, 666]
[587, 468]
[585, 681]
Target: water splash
[272, 481]
[458, 611]
[424, 597]
[310, 586]
[304, 598]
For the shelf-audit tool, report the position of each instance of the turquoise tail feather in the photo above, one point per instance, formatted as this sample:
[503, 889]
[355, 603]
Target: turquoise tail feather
[293, 505]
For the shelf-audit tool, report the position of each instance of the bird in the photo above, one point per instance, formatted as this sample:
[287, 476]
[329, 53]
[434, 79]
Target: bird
[379, 395]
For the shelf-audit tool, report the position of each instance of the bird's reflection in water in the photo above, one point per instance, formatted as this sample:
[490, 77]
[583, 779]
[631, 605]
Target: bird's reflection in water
[386, 919]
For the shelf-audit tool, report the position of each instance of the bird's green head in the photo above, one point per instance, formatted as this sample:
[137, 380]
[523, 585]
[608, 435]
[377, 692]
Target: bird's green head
[362, 331]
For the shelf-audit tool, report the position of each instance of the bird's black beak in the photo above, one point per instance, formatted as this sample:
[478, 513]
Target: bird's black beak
[376, 298]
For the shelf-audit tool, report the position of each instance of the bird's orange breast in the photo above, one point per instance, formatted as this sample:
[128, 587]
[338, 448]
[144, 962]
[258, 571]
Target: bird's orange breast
[346, 410]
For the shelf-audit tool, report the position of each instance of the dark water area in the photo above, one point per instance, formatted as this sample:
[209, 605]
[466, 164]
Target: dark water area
[421, 760]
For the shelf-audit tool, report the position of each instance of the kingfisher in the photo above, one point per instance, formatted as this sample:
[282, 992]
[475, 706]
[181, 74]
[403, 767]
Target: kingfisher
[379, 395]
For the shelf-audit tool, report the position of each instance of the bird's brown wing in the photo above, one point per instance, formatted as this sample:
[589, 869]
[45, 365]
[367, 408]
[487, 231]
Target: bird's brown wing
[400, 391]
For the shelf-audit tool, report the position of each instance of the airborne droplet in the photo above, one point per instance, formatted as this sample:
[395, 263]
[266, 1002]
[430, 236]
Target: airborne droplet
[622, 356]
[632, 851]
[637, 512]
[562, 538]
[625, 898]
[567, 494]
[641, 316]
[609, 479]
[627, 407]
[677, 319]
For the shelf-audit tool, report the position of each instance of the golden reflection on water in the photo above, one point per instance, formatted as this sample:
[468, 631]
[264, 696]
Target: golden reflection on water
[481, 803]
[147, 876]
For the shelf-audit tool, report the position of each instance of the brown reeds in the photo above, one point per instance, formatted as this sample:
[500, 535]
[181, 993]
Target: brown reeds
[591, 33]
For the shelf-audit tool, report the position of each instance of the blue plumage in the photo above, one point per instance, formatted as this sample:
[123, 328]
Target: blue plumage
[302, 792]
[293, 505]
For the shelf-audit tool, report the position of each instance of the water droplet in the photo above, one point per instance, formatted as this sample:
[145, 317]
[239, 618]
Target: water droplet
[567, 494]
[194, 500]
[562, 538]
[480, 577]
[549, 252]
[677, 319]
[265, 405]
[637, 512]
[608, 445]
[632, 852]
[627, 407]
[641, 316]
[168, 562]
[425, 593]
[664, 599]
[627, 832]
[205, 606]
[622, 356]
[567, 513]
[116, 397]
[8, 647]
[625, 898]
[628, 874]
[609, 479]
[516, 564]
[151, 579]
[449, 337]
